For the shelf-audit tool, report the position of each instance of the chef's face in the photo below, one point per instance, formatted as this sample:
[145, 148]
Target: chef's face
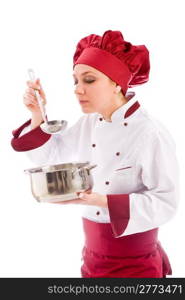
[94, 90]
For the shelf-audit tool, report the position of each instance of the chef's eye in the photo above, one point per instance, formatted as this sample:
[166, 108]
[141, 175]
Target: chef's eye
[86, 80]
[89, 80]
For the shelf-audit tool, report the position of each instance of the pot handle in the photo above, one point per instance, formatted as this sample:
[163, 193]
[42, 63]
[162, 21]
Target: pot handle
[84, 167]
[90, 167]
[26, 171]
[33, 170]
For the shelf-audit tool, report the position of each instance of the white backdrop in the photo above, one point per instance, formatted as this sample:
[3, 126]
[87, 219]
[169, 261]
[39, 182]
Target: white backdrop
[44, 240]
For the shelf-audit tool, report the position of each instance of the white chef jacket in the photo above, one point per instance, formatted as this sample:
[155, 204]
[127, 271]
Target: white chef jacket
[135, 158]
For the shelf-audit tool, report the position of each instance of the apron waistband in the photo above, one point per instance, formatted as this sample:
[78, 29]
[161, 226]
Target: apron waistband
[99, 238]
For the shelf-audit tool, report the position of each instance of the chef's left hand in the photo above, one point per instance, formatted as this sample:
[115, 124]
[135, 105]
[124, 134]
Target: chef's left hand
[88, 198]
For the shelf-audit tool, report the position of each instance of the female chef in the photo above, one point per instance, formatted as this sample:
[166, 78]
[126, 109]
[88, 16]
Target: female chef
[136, 179]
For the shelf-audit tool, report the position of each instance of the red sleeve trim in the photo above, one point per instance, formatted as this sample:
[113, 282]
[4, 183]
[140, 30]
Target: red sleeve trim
[119, 211]
[29, 141]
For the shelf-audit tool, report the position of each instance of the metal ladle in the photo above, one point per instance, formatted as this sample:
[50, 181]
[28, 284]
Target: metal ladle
[50, 127]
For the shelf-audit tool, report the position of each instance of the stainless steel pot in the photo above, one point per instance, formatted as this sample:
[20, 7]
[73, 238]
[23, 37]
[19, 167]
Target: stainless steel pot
[60, 182]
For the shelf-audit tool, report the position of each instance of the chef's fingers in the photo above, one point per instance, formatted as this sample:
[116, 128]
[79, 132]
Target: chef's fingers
[31, 103]
[89, 191]
[30, 91]
[29, 99]
[74, 201]
[30, 95]
[36, 85]
[84, 196]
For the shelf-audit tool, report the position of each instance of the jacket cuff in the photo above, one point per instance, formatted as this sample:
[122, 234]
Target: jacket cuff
[29, 141]
[119, 212]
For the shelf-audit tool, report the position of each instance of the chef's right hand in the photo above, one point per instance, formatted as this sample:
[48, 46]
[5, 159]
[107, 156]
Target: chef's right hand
[29, 98]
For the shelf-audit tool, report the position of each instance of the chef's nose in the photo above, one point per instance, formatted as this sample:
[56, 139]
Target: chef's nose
[79, 89]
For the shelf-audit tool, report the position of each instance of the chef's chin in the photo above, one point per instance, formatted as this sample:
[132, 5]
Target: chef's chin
[87, 109]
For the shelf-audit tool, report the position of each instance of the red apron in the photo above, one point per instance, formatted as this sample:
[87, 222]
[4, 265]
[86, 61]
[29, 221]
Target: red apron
[132, 256]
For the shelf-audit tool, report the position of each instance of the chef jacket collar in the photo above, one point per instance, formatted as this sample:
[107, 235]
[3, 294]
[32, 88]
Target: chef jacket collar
[126, 109]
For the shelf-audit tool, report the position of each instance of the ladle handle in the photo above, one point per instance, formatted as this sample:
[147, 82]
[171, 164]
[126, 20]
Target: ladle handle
[39, 99]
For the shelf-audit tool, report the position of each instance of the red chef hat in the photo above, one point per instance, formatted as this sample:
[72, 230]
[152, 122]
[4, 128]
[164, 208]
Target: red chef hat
[124, 63]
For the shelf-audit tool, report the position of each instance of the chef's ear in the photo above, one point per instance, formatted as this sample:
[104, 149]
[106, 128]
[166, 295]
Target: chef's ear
[118, 89]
